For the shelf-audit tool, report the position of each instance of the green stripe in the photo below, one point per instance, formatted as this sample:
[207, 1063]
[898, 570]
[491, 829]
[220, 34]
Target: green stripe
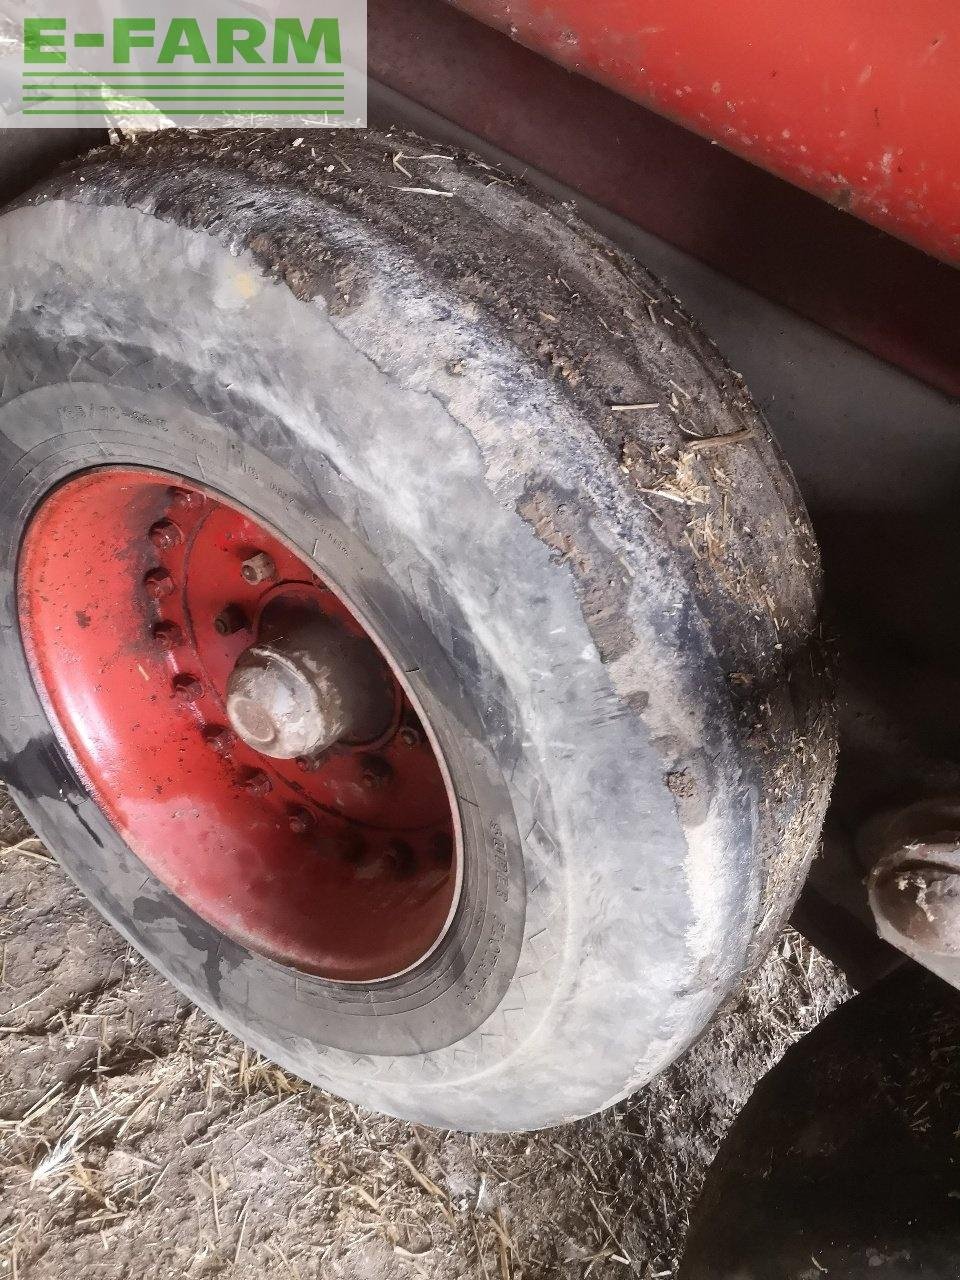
[190, 97]
[181, 88]
[208, 112]
[181, 74]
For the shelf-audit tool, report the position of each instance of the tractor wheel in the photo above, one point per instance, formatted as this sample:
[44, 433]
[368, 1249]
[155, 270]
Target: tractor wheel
[409, 634]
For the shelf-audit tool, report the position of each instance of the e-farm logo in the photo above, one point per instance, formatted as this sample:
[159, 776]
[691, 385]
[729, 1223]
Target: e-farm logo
[216, 67]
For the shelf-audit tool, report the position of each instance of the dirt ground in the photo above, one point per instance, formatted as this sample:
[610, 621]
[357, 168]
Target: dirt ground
[137, 1139]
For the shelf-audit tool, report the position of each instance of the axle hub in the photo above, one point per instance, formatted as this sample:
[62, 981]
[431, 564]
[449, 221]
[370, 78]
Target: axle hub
[306, 684]
[281, 710]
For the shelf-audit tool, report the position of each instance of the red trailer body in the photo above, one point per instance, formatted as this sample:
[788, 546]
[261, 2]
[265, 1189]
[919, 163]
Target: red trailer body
[857, 102]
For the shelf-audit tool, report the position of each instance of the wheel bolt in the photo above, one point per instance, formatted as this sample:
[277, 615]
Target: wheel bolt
[186, 499]
[409, 736]
[167, 635]
[159, 584]
[300, 821]
[165, 534]
[375, 772]
[219, 738]
[230, 621]
[256, 783]
[259, 568]
[187, 688]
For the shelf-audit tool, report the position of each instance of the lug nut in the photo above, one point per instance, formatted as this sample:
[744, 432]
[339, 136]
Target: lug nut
[256, 783]
[230, 621]
[167, 635]
[219, 738]
[409, 736]
[159, 584]
[309, 764]
[187, 688]
[375, 772]
[300, 821]
[186, 499]
[165, 534]
[259, 568]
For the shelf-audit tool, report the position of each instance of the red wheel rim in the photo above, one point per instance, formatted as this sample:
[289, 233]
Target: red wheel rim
[138, 592]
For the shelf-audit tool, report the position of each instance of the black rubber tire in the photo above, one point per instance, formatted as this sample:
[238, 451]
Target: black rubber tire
[844, 1161]
[614, 627]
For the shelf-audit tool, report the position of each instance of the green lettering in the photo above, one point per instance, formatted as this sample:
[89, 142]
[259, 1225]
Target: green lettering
[243, 36]
[184, 39]
[290, 37]
[39, 45]
[126, 37]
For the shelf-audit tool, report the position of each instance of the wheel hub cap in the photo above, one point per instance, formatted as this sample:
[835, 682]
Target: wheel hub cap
[310, 685]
